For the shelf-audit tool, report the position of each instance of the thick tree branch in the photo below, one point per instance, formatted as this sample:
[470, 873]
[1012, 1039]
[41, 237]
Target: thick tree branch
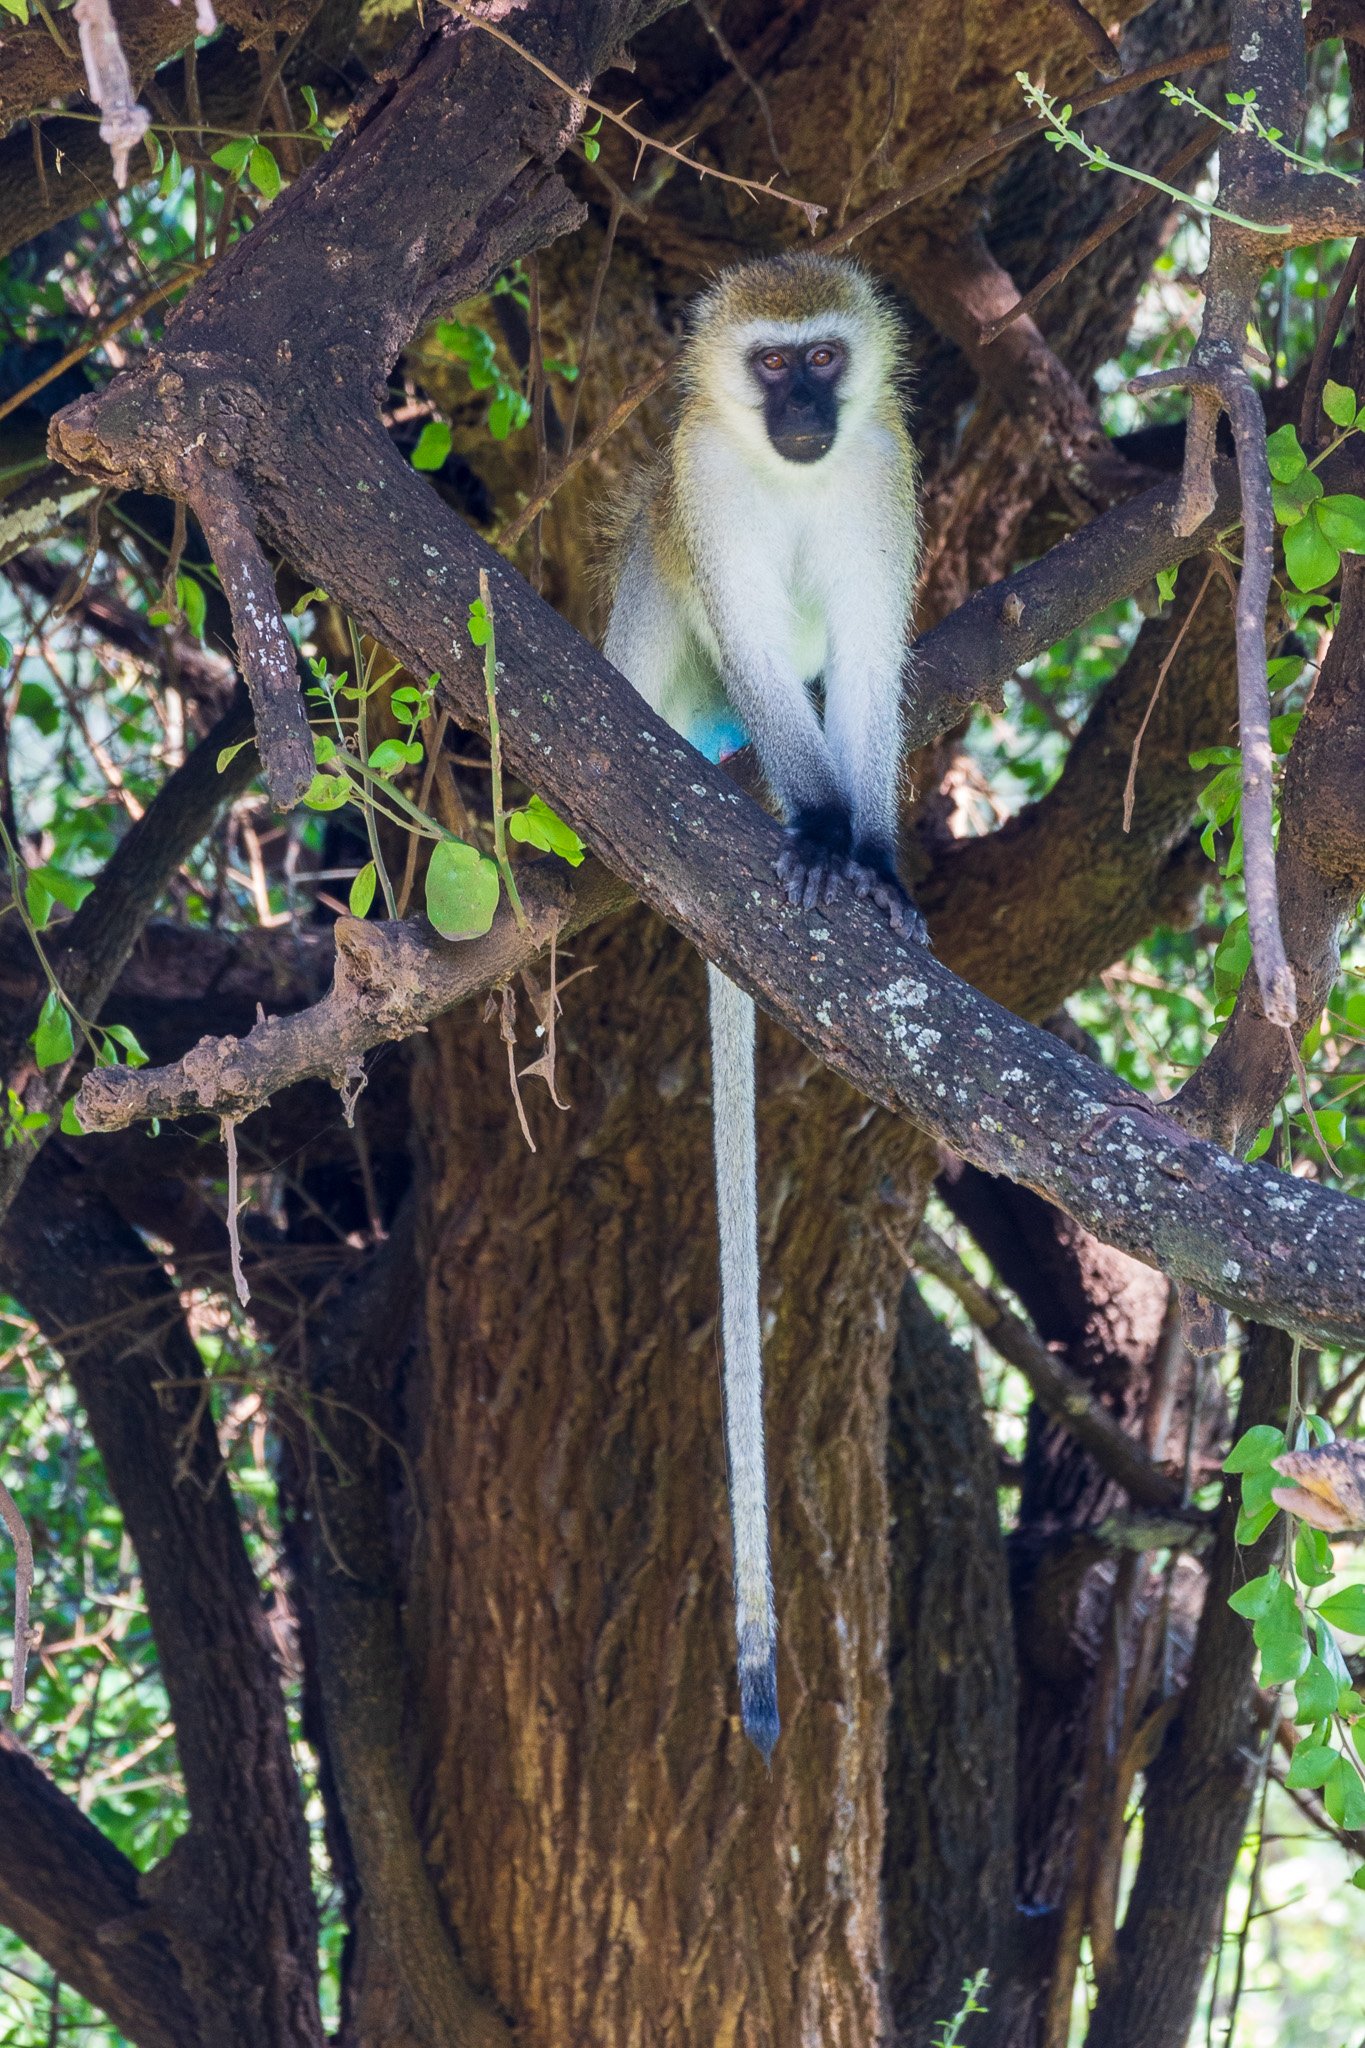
[234, 1899]
[962, 289]
[73, 1897]
[1059, 1392]
[1199, 1788]
[408, 1983]
[1322, 876]
[390, 980]
[88, 953]
[904, 1030]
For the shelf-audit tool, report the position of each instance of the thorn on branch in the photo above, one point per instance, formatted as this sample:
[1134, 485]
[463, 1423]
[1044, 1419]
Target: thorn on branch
[264, 649]
[23, 1588]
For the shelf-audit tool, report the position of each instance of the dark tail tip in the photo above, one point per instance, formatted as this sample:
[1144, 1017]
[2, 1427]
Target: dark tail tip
[758, 1704]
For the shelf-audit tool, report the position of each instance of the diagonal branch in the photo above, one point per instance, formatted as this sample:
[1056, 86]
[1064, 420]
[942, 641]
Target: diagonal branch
[303, 439]
[73, 1897]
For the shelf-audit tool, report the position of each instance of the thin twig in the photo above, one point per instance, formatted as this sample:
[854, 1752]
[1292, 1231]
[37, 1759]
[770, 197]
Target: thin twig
[1310, 417]
[1059, 1392]
[752, 186]
[537, 373]
[727, 51]
[23, 1588]
[145, 304]
[507, 1031]
[1301, 1076]
[1130, 786]
[1117, 220]
[598, 438]
[435, 738]
[1216, 385]
[490, 677]
[229, 1129]
[590, 324]
[954, 169]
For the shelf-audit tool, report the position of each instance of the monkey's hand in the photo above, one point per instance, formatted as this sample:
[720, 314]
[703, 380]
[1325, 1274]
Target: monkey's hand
[815, 859]
[871, 872]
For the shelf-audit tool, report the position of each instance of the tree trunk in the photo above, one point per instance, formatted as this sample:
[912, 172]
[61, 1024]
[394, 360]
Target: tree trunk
[615, 1863]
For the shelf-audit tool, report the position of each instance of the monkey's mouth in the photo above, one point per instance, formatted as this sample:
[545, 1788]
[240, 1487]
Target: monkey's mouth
[797, 444]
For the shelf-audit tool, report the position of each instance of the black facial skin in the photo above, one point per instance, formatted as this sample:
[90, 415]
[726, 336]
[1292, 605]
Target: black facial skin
[800, 389]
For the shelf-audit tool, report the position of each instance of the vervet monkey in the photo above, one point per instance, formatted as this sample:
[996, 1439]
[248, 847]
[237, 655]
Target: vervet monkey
[772, 549]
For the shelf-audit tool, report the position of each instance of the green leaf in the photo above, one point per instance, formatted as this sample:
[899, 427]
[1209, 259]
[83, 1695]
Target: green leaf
[1231, 960]
[6, 652]
[1342, 519]
[324, 748]
[18, 8]
[480, 625]
[1310, 1765]
[508, 411]
[310, 100]
[1255, 1449]
[537, 825]
[152, 144]
[1339, 404]
[70, 890]
[71, 1123]
[328, 792]
[39, 900]
[171, 176]
[1165, 584]
[433, 446]
[1312, 1556]
[1284, 1653]
[1283, 729]
[1345, 1610]
[1316, 1692]
[1255, 1598]
[1358, 1878]
[189, 595]
[462, 890]
[310, 597]
[52, 1042]
[1252, 1526]
[1309, 556]
[127, 1038]
[1292, 500]
[1260, 1144]
[264, 172]
[1343, 1795]
[1284, 454]
[362, 890]
[38, 704]
[232, 157]
[1257, 1488]
[1330, 1652]
[391, 755]
[227, 754]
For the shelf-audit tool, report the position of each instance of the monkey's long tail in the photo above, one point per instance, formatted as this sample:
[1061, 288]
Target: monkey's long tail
[736, 1145]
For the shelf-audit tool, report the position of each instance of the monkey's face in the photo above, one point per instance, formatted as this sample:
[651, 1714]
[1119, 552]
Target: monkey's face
[800, 384]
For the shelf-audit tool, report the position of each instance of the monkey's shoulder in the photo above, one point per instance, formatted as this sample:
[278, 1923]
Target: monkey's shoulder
[644, 512]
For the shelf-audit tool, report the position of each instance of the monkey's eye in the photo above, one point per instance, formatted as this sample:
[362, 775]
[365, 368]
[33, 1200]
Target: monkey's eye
[825, 358]
[773, 361]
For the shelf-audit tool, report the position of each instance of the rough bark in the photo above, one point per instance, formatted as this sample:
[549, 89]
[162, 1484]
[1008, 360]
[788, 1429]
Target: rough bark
[234, 1900]
[948, 1875]
[76, 1901]
[615, 1863]
[1199, 1788]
